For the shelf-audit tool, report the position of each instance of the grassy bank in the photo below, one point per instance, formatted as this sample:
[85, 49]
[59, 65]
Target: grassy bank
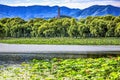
[65, 69]
[64, 41]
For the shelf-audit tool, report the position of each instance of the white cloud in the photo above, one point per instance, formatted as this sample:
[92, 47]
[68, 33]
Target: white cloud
[69, 3]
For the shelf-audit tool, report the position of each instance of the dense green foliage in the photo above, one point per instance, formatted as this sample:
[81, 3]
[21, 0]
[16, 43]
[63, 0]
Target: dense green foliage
[2, 31]
[99, 26]
[65, 69]
[63, 41]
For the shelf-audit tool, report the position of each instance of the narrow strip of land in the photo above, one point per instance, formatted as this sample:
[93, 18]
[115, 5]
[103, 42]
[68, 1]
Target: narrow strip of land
[63, 41]
[83, 49]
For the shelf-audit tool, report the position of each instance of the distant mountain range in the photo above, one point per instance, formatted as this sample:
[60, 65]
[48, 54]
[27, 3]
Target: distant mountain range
[27, 12]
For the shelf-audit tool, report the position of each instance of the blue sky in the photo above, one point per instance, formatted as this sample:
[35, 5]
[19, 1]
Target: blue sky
[69, 3]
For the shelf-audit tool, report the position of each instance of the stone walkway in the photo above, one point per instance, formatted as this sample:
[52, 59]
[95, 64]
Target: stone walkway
[81, 49]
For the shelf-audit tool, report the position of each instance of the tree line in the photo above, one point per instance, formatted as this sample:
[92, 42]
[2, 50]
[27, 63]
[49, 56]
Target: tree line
[97, 26]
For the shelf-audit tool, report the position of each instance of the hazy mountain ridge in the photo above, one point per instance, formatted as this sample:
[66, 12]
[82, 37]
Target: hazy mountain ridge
[50, 12]
[97, 10]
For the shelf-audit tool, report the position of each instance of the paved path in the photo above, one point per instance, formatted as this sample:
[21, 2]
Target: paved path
[81, 49]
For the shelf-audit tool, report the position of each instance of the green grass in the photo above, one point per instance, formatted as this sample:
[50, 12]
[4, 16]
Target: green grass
[63, 41]
[65, 69]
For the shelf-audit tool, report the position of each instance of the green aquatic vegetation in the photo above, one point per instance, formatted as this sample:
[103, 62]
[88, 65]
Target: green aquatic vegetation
[65, 69]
